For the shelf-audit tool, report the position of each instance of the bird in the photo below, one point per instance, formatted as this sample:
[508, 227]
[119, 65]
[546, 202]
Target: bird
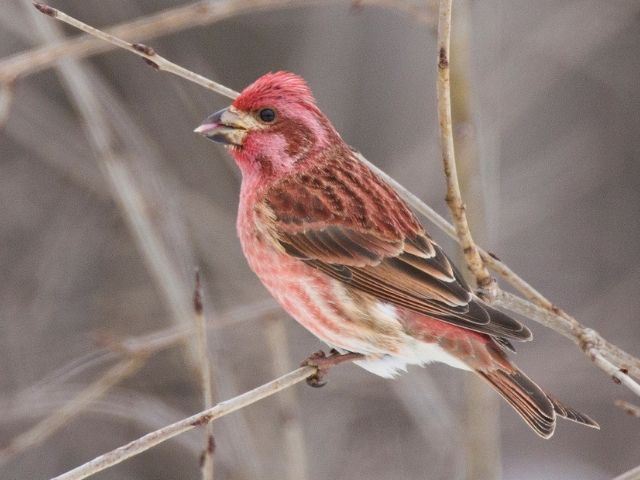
[348, 259]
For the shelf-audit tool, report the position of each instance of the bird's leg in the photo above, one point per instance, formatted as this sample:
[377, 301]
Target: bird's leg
[324, 363]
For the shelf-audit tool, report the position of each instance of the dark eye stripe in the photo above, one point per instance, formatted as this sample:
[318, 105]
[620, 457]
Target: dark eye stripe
[267, 115]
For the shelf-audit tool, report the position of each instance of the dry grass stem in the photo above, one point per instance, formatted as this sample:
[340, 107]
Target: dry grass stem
[167, 337]
[294, 442]
[52, 423]
[162, 435]
[628, 408]
[134, 350]
[6, 99]
[202, 353]
[99, 133]
[633, 474]
[125, 189]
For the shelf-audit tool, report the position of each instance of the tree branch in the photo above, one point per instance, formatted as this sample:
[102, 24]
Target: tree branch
[628, 408]
[454, 197]
[162, 435]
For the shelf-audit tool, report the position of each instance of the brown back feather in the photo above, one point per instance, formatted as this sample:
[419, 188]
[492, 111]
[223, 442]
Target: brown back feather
[339, 217]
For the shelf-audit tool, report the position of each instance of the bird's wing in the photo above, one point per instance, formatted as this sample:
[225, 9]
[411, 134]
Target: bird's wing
[352, 226]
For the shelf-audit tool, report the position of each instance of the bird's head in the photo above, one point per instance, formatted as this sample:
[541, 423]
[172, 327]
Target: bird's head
[272, 126]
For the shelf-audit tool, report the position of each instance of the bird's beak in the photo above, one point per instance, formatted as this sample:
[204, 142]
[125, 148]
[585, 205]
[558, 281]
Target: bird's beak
[226, 126]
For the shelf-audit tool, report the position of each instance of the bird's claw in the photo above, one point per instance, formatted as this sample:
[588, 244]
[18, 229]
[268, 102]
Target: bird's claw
[317, 380]
[315, 360]
[323, 364]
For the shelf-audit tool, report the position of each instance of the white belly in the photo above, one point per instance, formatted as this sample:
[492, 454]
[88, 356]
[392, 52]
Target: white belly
[413, 352]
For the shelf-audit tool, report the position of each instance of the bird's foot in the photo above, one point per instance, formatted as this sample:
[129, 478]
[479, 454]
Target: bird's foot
[324, 363]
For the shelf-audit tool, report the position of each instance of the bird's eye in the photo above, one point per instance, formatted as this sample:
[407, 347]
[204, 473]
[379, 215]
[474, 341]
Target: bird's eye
[267, 115]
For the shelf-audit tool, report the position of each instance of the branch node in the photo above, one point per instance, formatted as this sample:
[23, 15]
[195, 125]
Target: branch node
[151, 63]
[323, 363]
[197, 295]
[142, 48]
[46, 9]
[628, 408]
[211, 446]
[443, 61]
[589, 341]
[488, 290]
[203, 420]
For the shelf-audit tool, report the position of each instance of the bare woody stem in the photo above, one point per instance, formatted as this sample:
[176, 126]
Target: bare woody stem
[151, 57]
[454, 198]
[205, 417]
[165, 22]
[204, 368]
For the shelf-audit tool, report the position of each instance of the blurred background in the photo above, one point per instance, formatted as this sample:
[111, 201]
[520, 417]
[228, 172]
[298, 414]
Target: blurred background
[109, 202]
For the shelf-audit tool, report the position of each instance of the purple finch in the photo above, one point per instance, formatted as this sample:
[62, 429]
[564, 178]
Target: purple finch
[347, 258]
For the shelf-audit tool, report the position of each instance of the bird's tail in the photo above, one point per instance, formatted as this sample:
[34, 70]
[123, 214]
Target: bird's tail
[537, 408]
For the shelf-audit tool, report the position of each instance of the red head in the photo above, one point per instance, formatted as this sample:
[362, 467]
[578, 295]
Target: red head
[272, 126]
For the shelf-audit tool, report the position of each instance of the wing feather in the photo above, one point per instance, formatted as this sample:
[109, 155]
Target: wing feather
[390, 257]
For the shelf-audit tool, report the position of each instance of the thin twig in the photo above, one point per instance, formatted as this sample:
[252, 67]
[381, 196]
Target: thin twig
[454, 197]
[98, 132]
[167, 337]
[619, 375]
[51, 424]
[202, 350]
[557, 319]
[152, 58]
[481, 437]
[166, 22]
[162, 23]
[296, 455]
[154, 438]
[628, 408]
[539, 308]
[141, 347]
[586, 338]
[124, 188]
[633, 474]
[6, 99]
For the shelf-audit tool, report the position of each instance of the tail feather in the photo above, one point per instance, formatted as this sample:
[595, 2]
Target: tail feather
[536, 408]
[571, 414]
